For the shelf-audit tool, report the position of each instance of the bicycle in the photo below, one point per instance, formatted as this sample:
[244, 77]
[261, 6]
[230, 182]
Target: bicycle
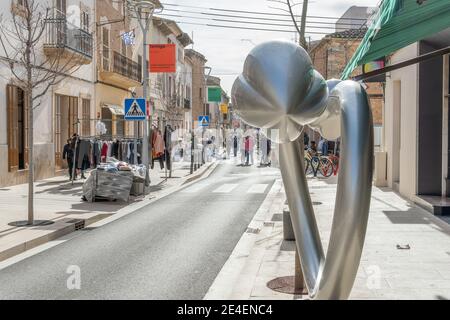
[318, 163]
[335, 161]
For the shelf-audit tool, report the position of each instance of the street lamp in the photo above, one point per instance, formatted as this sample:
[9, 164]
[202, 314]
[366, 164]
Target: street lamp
[142, 11]
[206, 72]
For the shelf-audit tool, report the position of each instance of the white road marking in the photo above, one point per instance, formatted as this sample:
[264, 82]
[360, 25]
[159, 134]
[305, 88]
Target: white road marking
[196, 187]
[257, 188]
[226, 188]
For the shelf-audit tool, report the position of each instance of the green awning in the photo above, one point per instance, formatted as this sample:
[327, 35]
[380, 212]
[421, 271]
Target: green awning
[399, 23]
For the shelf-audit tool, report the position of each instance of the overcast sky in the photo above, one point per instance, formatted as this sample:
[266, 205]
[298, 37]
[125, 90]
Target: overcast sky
[225, 49]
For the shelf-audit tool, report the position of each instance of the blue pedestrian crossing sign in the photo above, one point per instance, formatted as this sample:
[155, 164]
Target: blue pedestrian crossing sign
[203, 121]
[135, 109]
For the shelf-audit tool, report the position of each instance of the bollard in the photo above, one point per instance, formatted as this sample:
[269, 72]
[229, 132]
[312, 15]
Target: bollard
[288, 235]
[288, 231]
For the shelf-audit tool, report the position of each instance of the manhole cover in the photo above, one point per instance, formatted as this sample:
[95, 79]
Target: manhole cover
[35, 223]
[316, 203]
[285, 285]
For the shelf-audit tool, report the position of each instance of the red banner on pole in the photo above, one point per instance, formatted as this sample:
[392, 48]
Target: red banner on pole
[163, 58]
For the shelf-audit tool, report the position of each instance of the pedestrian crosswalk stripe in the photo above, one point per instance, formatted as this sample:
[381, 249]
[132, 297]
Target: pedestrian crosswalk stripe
[226, 188]
[195, 188]
[257, 188]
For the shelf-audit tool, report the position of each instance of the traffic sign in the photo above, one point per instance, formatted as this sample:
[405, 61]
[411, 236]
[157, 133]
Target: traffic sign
[135, 109]
[203, 121]
[214, 94]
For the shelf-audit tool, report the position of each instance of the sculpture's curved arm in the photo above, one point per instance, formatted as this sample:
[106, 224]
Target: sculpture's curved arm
[333, 277]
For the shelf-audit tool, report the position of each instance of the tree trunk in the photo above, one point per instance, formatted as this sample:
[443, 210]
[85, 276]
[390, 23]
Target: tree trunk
[29, 68]
[30, 159]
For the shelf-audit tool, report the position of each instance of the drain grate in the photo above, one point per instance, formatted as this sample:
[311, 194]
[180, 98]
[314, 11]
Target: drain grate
[253, 230]
[79, 224]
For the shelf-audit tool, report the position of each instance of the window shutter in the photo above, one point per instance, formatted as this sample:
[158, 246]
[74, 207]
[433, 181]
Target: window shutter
[13, 151]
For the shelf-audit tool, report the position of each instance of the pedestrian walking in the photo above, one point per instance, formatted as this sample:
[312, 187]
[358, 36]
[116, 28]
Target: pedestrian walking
[247, 150]
[68, 156]
[323, 146]
[235, 145]
[305, 140]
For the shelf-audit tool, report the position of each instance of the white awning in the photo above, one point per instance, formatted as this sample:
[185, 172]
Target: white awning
[116, 110]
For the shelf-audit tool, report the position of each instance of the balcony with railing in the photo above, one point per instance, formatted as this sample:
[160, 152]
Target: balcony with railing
[64, 40]
[119, 70]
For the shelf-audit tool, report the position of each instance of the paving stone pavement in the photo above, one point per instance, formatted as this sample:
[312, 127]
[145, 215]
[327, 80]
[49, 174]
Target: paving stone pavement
[385, 272]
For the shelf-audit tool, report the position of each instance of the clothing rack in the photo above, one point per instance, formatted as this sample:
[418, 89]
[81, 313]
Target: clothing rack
[96, 138]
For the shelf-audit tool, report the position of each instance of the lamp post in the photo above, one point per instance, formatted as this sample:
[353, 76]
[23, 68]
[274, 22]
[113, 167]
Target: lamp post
[142, 11]
[206, 73]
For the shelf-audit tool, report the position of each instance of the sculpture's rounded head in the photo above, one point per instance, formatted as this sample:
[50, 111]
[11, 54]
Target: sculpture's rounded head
[279, 89]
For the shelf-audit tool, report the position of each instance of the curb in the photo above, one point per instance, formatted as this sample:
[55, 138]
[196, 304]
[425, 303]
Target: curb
[235, 280]
[66, 226]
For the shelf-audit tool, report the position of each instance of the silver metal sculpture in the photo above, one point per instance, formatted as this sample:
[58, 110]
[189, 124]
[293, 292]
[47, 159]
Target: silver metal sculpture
[280, 90]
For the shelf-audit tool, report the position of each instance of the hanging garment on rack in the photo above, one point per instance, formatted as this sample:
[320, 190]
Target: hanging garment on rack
[97, 150]
[115, 149]
[104, 152]
[161, 162]
[158, 145]
[82, 152]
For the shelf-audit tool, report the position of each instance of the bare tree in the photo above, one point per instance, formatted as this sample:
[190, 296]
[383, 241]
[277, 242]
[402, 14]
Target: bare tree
[32, 70]
[171, 100]
[288, 6]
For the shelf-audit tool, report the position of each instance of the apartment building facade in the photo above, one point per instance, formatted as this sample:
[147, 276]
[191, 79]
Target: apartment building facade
[171, 92]
[198, 61]
[330, 56]
[67, 39]
[416, 131]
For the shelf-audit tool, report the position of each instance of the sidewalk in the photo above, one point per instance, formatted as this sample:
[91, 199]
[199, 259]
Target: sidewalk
[56, 199]
[421, 272]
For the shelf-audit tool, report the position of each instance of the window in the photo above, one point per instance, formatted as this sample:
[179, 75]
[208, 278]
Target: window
[120, 126]
[66, 124]
[105, 50]
[17, 128]
[61, 8]
[86, 114]
[107, 119]
[123, 46]
[84, 21]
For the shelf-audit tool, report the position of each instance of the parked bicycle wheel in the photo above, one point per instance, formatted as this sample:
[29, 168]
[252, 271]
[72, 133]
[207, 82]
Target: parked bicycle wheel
[326, 167]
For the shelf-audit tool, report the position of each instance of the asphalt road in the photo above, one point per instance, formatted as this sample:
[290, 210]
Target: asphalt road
[171, 249]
